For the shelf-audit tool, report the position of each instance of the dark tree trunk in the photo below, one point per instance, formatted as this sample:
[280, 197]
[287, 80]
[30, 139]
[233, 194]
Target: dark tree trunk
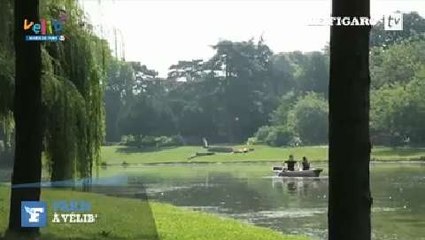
[27, 113]
[349, 144]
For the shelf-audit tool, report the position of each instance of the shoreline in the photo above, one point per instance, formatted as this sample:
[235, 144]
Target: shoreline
[410, 161]
[130, 156]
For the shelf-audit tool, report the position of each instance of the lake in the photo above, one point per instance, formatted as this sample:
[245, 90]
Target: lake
[248, 192]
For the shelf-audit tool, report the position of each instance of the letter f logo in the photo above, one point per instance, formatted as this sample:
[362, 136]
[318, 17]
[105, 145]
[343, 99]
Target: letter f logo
[33, 214]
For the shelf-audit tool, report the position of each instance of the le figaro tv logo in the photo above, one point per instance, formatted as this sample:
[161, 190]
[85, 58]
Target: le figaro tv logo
[393, 22]
[33, 214]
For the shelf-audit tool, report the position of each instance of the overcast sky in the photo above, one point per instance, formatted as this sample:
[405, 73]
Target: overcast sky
[159, 33]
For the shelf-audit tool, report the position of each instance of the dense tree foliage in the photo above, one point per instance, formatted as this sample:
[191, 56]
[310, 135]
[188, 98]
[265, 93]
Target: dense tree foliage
[397, 64]
[6, 81]
[398, 112]
[397, 69]
[118, 94]
[309, 119]
[73, 94]
[225, 98]
[73, 79]
[245, 86]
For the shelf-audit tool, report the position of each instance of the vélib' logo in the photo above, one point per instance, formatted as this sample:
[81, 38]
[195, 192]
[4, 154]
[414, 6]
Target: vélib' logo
[71, 212]
[33, 214]
[45, 30]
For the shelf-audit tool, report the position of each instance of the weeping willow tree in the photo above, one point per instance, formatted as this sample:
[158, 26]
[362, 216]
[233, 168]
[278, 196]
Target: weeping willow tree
[73, 75]
[6, 79]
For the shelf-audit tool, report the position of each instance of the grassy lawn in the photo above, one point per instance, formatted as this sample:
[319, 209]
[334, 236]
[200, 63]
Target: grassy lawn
[118, 154]
[127, 219]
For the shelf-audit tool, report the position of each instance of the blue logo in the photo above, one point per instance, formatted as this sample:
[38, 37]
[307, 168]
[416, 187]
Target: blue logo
[71, 206]
[33, 214]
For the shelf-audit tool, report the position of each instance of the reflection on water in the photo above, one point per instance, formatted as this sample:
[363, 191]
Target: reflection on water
[290, 213]
[300, 186]
[289, 205]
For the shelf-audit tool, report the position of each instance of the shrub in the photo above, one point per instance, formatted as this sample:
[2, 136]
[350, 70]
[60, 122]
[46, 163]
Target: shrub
[151, 141]
[173, 141]
[295, 142]
[148, 141]
[309, 119]
[252, 141]
[128, 140]
[279, 136]
[163, 141]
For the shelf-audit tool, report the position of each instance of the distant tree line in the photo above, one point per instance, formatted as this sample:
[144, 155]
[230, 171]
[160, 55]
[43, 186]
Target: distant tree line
[225, 98]
[245, 92]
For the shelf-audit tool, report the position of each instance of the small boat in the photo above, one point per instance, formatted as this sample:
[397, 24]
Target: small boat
[283, 172]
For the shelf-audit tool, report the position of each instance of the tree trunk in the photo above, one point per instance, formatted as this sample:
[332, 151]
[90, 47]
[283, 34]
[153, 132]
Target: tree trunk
[27, 113]
[349, 144]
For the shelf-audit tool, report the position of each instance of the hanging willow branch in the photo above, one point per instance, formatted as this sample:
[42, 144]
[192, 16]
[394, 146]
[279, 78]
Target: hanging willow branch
[6, 72]
[73, 75]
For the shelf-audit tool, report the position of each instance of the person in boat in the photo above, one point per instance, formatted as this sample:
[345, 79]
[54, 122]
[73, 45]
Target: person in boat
[290, 163]
[305, 163]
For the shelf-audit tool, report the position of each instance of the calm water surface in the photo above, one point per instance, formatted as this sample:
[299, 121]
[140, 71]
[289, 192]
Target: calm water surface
[294, 206]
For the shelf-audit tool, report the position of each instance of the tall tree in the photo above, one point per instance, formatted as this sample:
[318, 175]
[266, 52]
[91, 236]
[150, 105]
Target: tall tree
[349, 144]
[282, 75]
[313, 75]
[244, 65]
[397, 63]
[118, 94]
[187, 70]
[27, 114]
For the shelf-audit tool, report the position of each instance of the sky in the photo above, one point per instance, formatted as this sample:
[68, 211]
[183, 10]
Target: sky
[159, 33]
